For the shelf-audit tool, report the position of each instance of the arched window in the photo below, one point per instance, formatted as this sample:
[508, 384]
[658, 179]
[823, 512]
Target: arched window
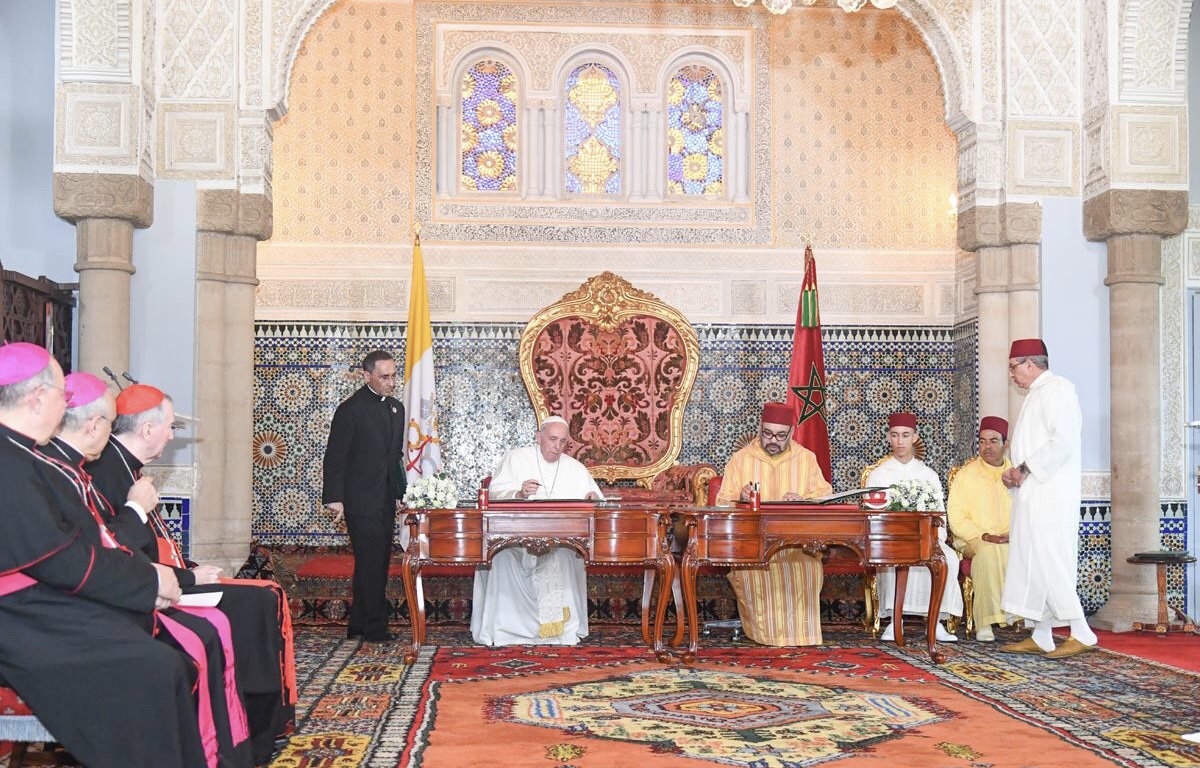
[488, 128]
[592, 131]
[695, 133]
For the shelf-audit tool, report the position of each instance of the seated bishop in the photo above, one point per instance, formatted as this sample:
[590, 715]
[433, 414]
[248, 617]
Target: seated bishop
[903, 464]
[522, 597]
[781, 604]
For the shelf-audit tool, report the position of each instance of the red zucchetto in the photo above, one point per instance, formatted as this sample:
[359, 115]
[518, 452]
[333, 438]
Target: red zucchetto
[20, 361]
[83, 388]
[994, 423]
[1028, 348]
[137, 398]
[778, 413]
[902, 419]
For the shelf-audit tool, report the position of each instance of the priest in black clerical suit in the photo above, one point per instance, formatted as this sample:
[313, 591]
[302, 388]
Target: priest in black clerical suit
[365, 483]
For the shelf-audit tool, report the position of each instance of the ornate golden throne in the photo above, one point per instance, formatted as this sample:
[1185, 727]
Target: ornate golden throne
[618, 364]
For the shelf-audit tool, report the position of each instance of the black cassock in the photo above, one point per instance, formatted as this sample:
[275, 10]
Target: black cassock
[254, 612]
[73, 645]
[229, 754]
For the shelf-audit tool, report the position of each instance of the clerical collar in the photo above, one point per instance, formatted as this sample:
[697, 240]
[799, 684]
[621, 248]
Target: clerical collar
[132, 463]
[382, 398]
[68, 451]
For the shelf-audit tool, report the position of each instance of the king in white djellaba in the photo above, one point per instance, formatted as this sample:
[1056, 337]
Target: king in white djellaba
[523, 598]
[904, 465]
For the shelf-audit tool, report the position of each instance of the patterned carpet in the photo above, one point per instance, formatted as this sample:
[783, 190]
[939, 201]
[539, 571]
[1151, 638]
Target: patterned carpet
[849, 703]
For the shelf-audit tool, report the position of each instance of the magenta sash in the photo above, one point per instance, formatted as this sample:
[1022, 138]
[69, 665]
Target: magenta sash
[14, 582]
[239, 730]
[194, 647]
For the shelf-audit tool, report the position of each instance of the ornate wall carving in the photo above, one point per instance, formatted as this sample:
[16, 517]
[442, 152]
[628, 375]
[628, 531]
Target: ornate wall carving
[1043, 74]
[95, 40]
[352, 96]
[1153, 51]
[199, 40]
[97, 125]
[1042, 158]
[488, 282]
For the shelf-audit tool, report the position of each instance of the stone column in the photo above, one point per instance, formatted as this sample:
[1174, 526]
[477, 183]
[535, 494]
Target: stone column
[1134, 223]
[1005, 240]
[229, 226]
[105, 208]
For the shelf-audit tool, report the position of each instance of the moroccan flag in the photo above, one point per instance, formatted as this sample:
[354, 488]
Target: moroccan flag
[423, 457]
[806, 379]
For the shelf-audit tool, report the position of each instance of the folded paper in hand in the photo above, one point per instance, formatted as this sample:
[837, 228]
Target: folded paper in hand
[200, 600]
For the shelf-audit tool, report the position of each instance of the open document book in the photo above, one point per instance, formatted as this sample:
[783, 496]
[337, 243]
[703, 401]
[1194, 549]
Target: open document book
[832, 497]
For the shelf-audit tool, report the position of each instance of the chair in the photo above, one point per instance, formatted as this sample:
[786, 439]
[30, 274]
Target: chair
[965, 582]
[20, 726]
[964, 566]
[618, 364]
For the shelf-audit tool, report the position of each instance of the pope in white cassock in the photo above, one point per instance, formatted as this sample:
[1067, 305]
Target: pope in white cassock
[1046, 483]
[527, 598]
[904, 465]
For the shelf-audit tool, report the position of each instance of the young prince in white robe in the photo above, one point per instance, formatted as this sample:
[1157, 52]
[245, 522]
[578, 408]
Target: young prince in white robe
[527, 598]
[904, 465]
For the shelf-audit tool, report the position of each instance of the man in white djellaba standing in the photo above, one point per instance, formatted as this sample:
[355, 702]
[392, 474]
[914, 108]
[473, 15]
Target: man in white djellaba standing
[527, 598]
[1046, 483]
[904, 465]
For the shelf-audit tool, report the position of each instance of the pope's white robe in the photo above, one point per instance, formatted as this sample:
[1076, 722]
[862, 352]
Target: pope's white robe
[1043, 551]
[527, 598]
[920, 580]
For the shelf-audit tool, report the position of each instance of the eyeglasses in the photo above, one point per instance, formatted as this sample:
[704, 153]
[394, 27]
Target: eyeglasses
[766, 434]
[66, 393]
[1014, 366]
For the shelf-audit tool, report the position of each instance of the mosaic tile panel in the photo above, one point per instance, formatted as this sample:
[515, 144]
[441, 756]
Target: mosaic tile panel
[176, 512]
[1095, 553]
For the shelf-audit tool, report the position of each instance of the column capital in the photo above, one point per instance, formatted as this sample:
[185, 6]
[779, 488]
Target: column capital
[999, 225]
[104, 196]
[230, 212]
[1158, 212]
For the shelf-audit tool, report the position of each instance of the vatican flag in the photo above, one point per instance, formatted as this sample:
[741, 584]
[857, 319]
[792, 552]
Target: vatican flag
[423, 456]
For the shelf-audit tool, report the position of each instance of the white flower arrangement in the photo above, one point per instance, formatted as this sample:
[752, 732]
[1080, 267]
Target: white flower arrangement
[437, 492]
[915, 496]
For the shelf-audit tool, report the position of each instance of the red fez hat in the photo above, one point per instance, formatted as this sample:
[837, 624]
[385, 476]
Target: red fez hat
[779, 413]
[902, 420]
[994, 423]
[1028, 348]
[20, 361]
[137, 398]
[83, 388]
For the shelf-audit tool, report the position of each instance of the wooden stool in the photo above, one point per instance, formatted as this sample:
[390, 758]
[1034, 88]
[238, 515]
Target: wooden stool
[1161, 560]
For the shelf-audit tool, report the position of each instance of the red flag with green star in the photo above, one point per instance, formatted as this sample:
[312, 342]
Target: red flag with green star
[806, 379]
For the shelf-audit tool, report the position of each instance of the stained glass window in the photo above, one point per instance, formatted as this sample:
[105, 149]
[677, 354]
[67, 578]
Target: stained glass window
[592, 131]
[695, 133]
[488, 128]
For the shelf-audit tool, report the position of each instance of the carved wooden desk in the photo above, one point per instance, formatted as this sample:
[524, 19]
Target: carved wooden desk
[606, 534]
[743, 537]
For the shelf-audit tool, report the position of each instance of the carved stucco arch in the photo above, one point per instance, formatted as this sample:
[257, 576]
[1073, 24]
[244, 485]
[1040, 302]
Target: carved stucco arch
[934, 30]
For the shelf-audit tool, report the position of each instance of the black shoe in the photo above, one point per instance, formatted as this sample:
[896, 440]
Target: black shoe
[382, 637]
[353, 635]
